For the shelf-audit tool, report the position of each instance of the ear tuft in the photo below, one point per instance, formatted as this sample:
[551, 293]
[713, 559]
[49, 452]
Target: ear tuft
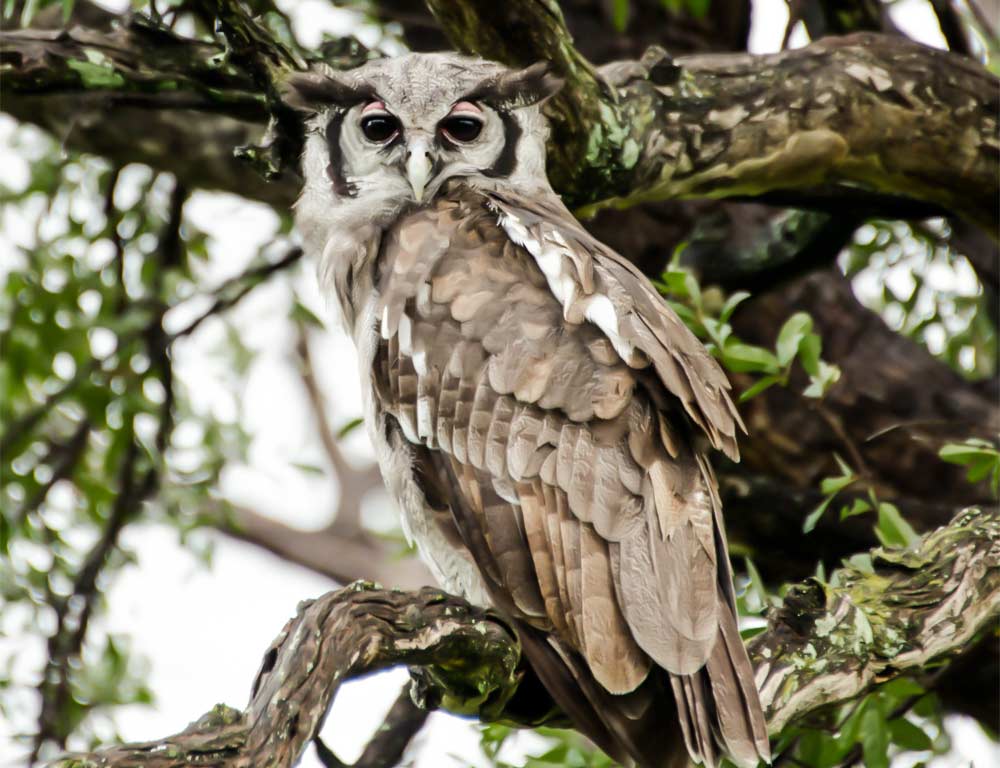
[314, 91]
[520, 88]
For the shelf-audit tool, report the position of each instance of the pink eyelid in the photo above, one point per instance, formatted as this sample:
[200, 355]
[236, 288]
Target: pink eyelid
[465, 107]
[374, 106]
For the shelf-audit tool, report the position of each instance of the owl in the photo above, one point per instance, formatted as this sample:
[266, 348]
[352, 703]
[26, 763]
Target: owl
[534, 404]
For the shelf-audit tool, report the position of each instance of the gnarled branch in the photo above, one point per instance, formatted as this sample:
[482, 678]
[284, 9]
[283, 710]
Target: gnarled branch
[828, 643]
[861, 118]
[813, 125]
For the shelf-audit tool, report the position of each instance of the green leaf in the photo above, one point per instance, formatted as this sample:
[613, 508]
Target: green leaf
[302, 314]
[809, 351]
[820, 384]
[963, 453]
[813, 517]
[845, 468]
[674, 281]
[980, 457]
[759, 386]
[349, 427]
[874, 739]
[833, 485]
[731, 304]
[693, 289]
[96, 76]
[309, 469]
[698, 8]
[743, 358]
[620, 14]
[859, 507]
[67, 10]
[756, 594]
[892, 530]
[790, 336]
[907, 735]
[28, 12]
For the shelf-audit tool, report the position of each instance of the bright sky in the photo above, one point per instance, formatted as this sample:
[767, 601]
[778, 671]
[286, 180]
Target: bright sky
[204, 630]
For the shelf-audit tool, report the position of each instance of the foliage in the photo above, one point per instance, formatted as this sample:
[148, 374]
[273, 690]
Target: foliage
[707, 314]
[98, 431]
[898, 716]
[912, 275]
[890, 527]
[980, 457]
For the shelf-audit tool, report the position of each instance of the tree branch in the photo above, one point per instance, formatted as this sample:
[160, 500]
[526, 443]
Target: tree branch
[342, 635]
[828, 643]
[860, 117]
[881, 113]
[354, 483]
[341, 559]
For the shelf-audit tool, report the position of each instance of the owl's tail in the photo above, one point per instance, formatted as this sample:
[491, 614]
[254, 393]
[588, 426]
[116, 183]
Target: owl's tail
[706, 716]
[718, 707]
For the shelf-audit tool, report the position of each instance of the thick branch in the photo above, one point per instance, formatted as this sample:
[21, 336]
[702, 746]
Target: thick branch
[893, 408]
[342, 635]
[828, 643]
[881, 113]
[856, 116]
[142, 94]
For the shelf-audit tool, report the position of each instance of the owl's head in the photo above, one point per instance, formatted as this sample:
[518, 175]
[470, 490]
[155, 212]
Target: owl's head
[396, 129]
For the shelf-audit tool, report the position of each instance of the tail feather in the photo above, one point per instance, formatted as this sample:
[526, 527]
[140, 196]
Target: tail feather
[718, 706]
[639, 728]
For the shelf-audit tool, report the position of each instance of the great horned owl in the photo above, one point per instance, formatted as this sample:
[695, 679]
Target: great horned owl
[532, 401]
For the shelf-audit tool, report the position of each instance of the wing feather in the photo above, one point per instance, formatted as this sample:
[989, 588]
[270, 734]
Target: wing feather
[514, 347]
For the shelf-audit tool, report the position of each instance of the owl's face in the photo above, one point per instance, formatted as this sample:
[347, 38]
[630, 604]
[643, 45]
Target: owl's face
[399, 128]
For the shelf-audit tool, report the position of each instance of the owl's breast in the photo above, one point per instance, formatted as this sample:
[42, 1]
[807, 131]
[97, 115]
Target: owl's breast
[424, 525]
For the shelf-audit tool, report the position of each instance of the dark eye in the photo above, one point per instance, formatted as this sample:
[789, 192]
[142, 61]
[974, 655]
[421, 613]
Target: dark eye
[462, 129]
[379, 128]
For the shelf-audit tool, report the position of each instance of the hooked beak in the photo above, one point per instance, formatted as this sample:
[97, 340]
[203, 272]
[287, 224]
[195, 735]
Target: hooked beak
[418, 166]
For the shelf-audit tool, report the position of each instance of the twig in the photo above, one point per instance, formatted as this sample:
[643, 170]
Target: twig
[385, 749]
[246, 282]
[68, 454]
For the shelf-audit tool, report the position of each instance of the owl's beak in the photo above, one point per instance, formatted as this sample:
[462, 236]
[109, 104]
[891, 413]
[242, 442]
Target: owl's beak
[418, 166]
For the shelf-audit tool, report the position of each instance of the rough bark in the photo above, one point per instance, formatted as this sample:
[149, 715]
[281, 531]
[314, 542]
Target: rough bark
[811, 126]
[827, 643]
[151, 97]
[470, 653]
[881, 113]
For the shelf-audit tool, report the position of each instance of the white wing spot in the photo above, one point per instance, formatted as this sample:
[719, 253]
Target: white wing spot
[384, 325]
[550, 256]
[405, 333]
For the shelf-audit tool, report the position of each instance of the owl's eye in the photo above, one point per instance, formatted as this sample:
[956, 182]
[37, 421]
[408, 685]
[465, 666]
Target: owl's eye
[379, 128]
[461, 128]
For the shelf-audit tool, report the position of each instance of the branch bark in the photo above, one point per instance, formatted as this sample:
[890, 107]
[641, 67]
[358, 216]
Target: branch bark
[881, 113]
[861, 117]
[828, 643]
[342, 635]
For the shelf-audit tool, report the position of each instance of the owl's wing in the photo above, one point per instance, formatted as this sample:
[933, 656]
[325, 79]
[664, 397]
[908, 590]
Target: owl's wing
[548, 387]
[597, 283]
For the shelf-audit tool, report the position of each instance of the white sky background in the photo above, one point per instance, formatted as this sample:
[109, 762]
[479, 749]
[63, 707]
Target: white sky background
[204, 631]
